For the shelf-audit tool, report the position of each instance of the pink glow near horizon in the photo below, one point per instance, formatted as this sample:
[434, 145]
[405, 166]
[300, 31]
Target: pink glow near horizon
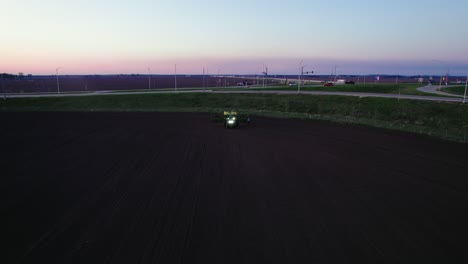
[227, 66]
[233, 37]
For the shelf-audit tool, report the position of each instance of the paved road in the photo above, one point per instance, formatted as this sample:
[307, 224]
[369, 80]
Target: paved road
[434, 89]
[355, 94]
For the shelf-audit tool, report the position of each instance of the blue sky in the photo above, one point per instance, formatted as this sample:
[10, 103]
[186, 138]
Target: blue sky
[359, 37]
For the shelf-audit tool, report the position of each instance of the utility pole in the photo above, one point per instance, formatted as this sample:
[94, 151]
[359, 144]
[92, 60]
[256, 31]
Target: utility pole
[58, 84]
[175, 77]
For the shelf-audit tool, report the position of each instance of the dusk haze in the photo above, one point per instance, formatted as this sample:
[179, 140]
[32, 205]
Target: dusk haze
[234, 37]
[247, 131]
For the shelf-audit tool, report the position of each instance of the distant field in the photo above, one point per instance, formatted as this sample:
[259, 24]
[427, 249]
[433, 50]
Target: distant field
[91, 83]
[116, 83]
[445, 120]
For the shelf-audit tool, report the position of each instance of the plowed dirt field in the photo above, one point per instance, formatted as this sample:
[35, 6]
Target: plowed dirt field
[178, 188]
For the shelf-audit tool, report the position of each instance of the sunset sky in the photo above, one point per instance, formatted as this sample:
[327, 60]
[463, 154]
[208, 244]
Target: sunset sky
[359, 37]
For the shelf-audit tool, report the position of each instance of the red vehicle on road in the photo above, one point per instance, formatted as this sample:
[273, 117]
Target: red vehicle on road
[328, 84]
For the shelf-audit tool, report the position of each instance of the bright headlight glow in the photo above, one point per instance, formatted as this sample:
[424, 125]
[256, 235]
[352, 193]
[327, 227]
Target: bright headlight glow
[230, 122]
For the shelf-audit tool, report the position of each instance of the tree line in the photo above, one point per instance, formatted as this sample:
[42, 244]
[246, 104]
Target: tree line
[13, 76]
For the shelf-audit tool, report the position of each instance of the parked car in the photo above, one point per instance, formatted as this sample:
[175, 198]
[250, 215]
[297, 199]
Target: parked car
[328, 84]
[292, 84]
[349, 82]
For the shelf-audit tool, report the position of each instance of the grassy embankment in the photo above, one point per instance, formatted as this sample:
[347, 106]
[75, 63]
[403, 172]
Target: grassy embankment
[458, 90]
[406, 89]
[444, 120]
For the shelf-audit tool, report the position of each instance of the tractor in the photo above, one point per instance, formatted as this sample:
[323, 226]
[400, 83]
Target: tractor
[231, 119]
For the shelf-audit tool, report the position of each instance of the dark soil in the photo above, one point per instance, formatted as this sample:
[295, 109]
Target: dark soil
[81, 83]
[107, 83]
[178, 188]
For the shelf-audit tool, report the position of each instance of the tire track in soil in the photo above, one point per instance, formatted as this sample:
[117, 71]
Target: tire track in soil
[179, 224]
[131, 197]
[88, 205]
[151, 216]
[198, 174]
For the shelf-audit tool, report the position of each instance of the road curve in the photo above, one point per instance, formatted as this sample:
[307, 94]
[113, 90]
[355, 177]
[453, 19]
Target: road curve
[434, 89]
[355, 94]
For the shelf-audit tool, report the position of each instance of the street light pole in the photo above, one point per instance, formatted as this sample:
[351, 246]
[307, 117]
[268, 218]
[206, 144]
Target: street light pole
[4, 88]
[263, 76]
[301, 69]
[203, 79]
[466, 85]
[440, 83]
[265, 73]
[175, 77]
[149, 78]
[447, 73]
[301, 74]
[58, 84]
[335, 72]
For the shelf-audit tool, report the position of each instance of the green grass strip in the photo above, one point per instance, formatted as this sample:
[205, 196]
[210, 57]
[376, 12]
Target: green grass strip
[458, 90]
[443, 120]
[405, 89]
